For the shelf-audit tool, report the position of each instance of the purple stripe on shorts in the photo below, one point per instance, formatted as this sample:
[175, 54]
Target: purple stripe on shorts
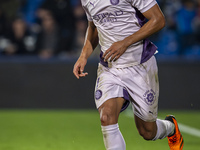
[149, 48]
[127, 102]
[105, 64]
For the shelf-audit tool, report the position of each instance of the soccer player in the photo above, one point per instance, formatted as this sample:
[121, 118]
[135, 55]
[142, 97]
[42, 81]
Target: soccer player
[127, 72]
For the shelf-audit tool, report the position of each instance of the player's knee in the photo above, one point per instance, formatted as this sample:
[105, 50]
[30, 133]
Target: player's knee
[104, 119]
[147, 135]
[107, 117]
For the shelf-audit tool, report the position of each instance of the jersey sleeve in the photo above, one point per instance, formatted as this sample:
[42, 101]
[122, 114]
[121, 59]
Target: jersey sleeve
[143, 5]
[89, 18]
[86, 11]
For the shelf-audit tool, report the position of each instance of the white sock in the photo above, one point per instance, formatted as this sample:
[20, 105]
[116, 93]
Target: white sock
[113, 139]
[164, 129]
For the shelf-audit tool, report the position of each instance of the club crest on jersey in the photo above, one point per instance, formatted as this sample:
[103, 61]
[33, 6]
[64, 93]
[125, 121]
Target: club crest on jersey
[114, 2]
[98, 94]
[149, 97]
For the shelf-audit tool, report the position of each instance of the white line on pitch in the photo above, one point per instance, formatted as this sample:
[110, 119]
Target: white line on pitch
[182, 127]
[189, 130]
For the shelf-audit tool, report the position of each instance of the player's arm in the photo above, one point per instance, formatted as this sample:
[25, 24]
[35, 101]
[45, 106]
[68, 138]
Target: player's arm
[156, 21]
[91, 41]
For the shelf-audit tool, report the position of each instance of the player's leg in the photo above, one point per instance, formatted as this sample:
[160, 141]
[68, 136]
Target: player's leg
[144, 93]
[146, 129]
[158, 129]
[109, 113]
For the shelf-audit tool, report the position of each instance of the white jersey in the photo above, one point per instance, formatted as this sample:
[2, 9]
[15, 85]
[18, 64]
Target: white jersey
[117, 19]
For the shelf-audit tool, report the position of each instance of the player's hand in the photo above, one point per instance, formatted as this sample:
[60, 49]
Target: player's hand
[115, 51]
[79, 68]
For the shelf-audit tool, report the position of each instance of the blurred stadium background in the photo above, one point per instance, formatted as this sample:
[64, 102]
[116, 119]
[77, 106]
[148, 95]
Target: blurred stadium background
[44, 107]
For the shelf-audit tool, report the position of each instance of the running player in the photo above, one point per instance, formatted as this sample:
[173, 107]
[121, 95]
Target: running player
[127, 72]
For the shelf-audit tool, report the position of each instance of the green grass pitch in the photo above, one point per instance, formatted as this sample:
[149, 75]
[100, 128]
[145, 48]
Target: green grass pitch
[79, 130]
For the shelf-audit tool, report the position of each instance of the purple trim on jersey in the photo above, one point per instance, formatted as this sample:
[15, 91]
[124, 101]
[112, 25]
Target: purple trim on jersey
[149, 48]
[141, 18]
[127, 102]
[105, 64]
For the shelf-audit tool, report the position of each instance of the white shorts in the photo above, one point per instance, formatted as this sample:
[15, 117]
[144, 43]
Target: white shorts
[137, 84]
